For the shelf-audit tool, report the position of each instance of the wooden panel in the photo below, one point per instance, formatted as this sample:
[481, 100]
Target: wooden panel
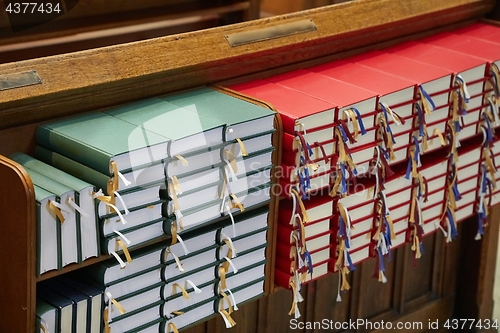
[17, 254]
[373, 297]
[324, 300]
[418, 273]
[476, 275]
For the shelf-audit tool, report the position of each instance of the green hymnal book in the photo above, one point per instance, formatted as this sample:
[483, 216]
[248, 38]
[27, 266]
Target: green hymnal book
[70, 223]
[109, 273]
[188, 315]
[98, 139]
[74, 168]
[80, 303]
[189, 130]
[136, 217]
[48, 232]
[63, 306]
[147, 187]
[243, 119]
[135, 320]
[137, 177]
[46, 317]
[94, 298]
[84, 201]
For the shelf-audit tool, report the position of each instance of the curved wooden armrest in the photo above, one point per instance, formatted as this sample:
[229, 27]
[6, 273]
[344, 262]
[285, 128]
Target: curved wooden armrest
[17, 248]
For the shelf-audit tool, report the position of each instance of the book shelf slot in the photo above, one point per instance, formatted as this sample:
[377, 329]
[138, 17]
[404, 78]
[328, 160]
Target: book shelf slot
[101, 258]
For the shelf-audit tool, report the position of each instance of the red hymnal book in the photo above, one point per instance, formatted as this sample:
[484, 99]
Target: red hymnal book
[293, 106]
[397, 65]
[395, 92]
[310, 120]
[465, 44]
[431, 80]
[351, 100]
[330, 90]
[471, 69]
[435, 55]
[484, 31]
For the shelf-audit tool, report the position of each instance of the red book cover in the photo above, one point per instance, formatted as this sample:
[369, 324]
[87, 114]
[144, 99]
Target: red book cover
[437, 56]
[465, 44]
[319, 208]
[484, 31]
[325, 88]
[432, 80]
[394, 64]
[291, 104]
[361, 76]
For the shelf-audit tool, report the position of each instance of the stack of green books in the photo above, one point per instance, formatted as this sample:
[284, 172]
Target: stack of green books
[66, 215]
[193, 161]
[185, 165]
[67, 305]
[125, 164]
[246, 151]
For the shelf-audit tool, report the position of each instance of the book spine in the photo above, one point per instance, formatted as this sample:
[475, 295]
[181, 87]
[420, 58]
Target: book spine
[50, 171]
[288, 123]
[72, 167]
[78, 151]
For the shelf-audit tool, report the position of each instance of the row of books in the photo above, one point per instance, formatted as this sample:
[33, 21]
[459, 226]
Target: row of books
[124, 176]
[184, 165]
[372, 151]
[166, 286]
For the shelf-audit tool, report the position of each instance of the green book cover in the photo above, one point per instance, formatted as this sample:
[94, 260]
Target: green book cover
[96, 139]
[109, 272]
[218, 105]
[63, 305]
[48, 233]
[184, 126]
[89, 239]
[70, 229]
[58, 175]
[231, 110]
[47, 317]
[139, 178]
[78, 170]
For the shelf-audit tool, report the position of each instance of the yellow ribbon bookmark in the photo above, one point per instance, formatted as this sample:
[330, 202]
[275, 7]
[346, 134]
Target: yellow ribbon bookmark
[56, 210]
[182, 159]
[236, 202]
[124, 248]
[105, 318]
[353, 118]
[118, 306]
[232, 160]
[242, 147]
[222, 276]
[172, 328]
[185, 294]
[302, 206]
[345, 284]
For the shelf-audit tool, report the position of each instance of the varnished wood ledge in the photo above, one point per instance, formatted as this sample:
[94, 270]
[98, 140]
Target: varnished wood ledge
[107, 76]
